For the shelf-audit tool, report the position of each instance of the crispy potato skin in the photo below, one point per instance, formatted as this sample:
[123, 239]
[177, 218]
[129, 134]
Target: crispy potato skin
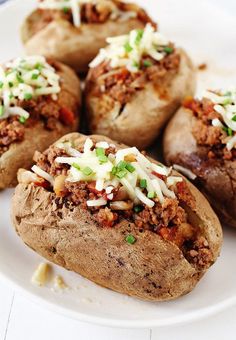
[142, 119]
[20, 154]
[73, 46]
[151, 269]
[216, 178]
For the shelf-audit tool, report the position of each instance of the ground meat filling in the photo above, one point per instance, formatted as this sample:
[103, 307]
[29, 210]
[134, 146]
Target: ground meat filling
[121, 85]
[11, 130]
[169, 220]
[90, 14]
[211, 137]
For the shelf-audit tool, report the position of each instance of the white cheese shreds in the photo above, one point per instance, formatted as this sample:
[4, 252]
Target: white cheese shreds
[96, 203]
[186, 172]
[225, 105]
[128, 173]
[75, 7]
[38, 171]
[40, 275]
[24, 79]
[128, 50]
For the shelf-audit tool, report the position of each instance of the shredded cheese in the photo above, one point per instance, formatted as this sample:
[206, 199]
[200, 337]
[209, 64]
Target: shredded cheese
[225, 105]
[128, 50]
[142, 180]
[24, 79]
[75, 7]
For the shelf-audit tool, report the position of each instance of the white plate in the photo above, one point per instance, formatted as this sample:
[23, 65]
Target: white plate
[209, 36]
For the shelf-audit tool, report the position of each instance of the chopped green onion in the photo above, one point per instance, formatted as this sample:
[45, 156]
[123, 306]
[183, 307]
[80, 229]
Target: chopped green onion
[130, 239]
[28, 96]
[66, 10]
[11, 96]
[114, 170]
[1, 110]
[76, 166]
[143, 183]
[1, 84]
[121, 165]
[103, 159]
[19, 78]
[130, 167]
[228, 130]
[227, 101]
[100, 152]
[136, 64]
[234, 118]
[138, 208]
[151, 194]
[121, 174]
[228, 94]
[147, 63]
[35, 76]
[128, 48]
[22, 120]
[139, 36]
[10, 84]
[168, 49]
[39, 66]
[87, 171]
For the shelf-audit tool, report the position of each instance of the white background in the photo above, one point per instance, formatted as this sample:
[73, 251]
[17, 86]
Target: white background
[21, 319]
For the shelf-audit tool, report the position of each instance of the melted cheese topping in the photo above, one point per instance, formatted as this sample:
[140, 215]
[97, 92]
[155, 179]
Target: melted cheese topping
[24, 79]
[128, 50]
[225, 105]
[128, 168]
[75, 7]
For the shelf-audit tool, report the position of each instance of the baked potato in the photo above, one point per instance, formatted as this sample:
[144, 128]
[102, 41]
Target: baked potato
[135, 86]
[40, 102]
[201, 137]
[74, 35]
[116, 217]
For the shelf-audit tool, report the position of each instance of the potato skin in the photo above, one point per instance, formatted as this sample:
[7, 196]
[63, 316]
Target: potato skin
[215, 178]
[73, 46]
[151, 269]
[144, 117]
[20, 154]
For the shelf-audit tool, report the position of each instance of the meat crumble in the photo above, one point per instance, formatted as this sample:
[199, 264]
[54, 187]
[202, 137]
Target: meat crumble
[169, 220]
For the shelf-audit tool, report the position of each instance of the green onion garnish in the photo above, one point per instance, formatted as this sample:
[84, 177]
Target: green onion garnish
[147, 63]
[100, 152]
[227, 101]
[39, 66]
[35, 76]
[114, 170]
[1, 110]
[76, 166]
[121, 165]
[122, 173]
[130, 239]
[234, 118]
[151, 194]
[130, 167]
[28, 96]
[103, 159]
[128, 48]
[22, 120]
[168, 49]
[1, 84]
[66, 10]
[139, 36]
[138, 208]
[228, 130]
[10, 84]
[136, 64]
[143, 183]
[19, 78]
[87, 171]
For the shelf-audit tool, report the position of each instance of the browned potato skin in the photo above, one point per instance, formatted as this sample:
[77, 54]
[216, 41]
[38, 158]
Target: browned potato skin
[151, 269]
[76, 47]
[216, 179]
[146, 114]
[20, 154]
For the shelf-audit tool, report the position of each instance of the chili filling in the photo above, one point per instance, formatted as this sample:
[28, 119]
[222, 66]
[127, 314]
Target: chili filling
[212, 138]
[169, 220]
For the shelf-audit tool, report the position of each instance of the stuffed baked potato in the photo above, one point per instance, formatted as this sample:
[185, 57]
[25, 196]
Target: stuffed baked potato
[116, 217]
[201, 137]
[40, 102]
[74, 33]
[135, 85]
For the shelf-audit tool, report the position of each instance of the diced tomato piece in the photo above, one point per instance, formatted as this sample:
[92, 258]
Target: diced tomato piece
[67, 116]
